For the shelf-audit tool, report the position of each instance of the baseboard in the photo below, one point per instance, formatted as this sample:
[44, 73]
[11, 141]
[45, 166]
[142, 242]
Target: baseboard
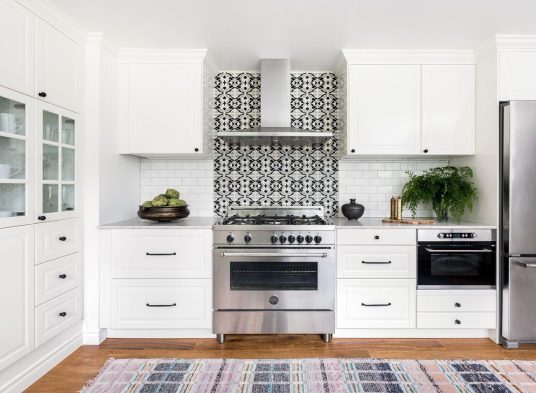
[160, 333]
[412, 333]
[33, 366]
[94, 337]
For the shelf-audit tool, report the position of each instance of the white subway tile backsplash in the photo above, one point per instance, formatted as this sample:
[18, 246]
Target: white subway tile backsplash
[373, 183]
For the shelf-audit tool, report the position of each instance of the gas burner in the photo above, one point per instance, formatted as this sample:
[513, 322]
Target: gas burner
[273, 220]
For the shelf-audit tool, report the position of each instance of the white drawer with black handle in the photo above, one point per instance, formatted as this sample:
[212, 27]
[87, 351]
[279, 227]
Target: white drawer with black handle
[57, 277]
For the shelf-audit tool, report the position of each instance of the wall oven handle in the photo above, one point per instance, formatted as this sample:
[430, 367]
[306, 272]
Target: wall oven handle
[376, 305]
[274, 254]
[525, 264]
[440, 251]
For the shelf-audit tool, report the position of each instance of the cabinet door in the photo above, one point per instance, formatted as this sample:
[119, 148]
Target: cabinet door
[17, 136]
[58, 163]
[16, 302]
[384, 104]
[58, 62]
[165, 113]
[448, 109]
[17, 46]
[517, 79]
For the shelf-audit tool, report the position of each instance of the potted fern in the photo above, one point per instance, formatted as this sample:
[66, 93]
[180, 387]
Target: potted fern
[449, 189]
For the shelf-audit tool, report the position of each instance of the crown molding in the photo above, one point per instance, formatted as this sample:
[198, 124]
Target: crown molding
[353, 56]
[515, 42]
[147, 56]
[51, 14]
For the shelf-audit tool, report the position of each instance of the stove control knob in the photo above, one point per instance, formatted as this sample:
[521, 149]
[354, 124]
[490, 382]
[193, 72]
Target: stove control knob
[441, 235]
[282, 238]
[300, 239]
[247, 238]
[318, 239]
[273, 300]
[230, 238]
[274, 238]
[308, 238]
[291, 239]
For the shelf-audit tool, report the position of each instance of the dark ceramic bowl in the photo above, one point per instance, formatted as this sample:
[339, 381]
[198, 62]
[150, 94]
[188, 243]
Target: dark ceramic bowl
[352, 210]
[163, 214]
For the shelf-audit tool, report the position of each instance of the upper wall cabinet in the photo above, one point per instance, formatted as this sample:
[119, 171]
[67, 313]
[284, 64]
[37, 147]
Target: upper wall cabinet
[166, 103]
[408, 103]
[58, 67]
[517, 76]
[17, 46]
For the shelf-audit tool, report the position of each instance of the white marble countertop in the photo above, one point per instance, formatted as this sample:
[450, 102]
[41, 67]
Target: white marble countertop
[188, 222]
[376, 222]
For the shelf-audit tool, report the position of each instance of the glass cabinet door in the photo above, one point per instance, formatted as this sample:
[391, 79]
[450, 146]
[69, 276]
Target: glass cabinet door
[58, 161]
[16, 143]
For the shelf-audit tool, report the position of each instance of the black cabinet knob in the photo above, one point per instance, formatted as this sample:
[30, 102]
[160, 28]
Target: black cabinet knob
[425, 150]
[196, 149]
[457, 305]
[42, 218]
[63, 276]
[63, 314]
[458, 322]
[353, 150]
[42, 94]
[62, 238]
[377, 237]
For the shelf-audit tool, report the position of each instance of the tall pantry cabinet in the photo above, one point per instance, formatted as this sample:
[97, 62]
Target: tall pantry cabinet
[40, 185]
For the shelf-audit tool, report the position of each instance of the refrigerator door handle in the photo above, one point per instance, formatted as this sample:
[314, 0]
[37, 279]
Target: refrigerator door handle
[524, 264]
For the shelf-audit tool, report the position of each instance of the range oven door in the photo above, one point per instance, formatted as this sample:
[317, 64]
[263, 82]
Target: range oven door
[445, 265]
[274, 279]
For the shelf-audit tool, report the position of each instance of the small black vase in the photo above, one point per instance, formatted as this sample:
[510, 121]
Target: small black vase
[352, 210]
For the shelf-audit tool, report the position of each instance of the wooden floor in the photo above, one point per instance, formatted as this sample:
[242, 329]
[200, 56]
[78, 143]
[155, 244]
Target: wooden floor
[75, 371]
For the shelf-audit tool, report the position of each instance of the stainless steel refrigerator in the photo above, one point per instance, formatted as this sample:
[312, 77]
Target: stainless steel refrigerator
[518, 221]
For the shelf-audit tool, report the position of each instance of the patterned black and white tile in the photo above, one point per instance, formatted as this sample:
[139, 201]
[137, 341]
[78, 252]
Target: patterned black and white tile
[276, 175]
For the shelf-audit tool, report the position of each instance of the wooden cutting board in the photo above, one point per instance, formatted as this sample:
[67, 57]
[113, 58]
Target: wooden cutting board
[410, 221]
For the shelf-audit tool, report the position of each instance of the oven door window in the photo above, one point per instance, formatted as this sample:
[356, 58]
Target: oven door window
[286, 276]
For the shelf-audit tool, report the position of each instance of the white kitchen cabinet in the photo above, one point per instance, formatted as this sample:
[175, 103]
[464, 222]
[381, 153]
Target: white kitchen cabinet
[447, 320]
[58, 163]
[376, 237]
[448, 109]
[58, 63]
[17, 174]
[17, 46]
[165, 104]
[57, 277]
[376, 303]
[384, 109]
[17, 300]
[517, 80]
[56, 239]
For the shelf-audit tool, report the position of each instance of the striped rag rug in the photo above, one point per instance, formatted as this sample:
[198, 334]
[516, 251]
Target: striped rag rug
[313, 376]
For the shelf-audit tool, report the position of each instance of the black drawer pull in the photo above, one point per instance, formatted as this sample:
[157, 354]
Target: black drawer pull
[457, 304]
[376, 263]
[42, 94]
[42, 218]
[155, 254]
[63, 276]
[376, 305]
[63, 314]
[377, 237]
[161, 305]
[62, 238]
[458, 322]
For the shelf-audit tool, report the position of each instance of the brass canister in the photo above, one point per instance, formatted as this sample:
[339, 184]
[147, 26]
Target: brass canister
[393, 208]
[398, 208]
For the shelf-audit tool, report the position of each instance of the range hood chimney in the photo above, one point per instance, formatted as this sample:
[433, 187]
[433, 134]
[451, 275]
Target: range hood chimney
[275, 126]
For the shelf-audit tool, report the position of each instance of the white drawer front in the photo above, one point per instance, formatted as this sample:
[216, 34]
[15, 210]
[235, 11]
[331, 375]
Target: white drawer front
[376, 237]
[53, 317]
[450, 320]
[373, 303]
[184, 253]
[56, 239]
[162, 304]
[457, 301]
[376, 262]
[57, 277]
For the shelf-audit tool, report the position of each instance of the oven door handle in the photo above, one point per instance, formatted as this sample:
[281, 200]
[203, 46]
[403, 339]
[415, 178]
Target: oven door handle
[274, 254]
[524, 264]
[440, 251]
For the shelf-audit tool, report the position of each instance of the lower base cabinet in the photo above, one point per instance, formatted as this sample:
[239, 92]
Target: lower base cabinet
[376, 303]
[161, 304]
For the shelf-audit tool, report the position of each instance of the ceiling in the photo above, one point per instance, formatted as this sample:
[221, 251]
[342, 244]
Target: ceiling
[309, 32]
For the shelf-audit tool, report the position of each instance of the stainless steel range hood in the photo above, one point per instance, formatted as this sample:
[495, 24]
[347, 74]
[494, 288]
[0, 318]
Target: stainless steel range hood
[275, 126]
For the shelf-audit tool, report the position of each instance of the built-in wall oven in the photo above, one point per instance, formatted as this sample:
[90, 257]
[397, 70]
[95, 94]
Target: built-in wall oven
[450, 259]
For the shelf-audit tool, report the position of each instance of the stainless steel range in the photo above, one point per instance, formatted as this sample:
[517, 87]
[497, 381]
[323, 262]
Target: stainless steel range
[274, 272]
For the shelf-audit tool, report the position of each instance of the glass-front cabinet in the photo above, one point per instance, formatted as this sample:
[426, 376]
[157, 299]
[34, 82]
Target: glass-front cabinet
[57, 168]
[17, 136]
